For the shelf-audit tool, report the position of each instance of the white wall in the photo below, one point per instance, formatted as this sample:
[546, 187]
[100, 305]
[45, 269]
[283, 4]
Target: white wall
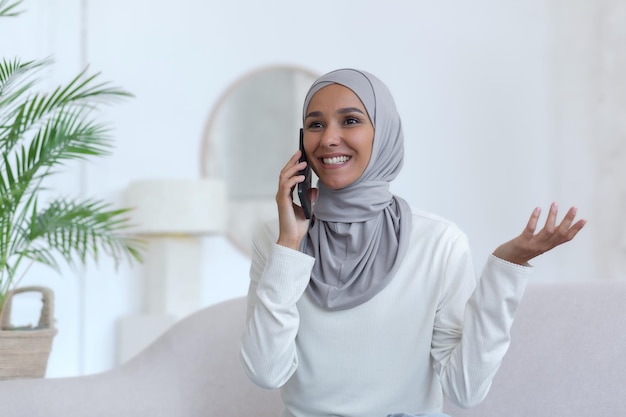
[479, 85]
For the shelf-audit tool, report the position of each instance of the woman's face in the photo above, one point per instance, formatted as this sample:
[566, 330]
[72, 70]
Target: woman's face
[338, 136]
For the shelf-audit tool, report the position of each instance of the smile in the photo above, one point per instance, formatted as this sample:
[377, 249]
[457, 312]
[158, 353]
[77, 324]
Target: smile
[336, 160]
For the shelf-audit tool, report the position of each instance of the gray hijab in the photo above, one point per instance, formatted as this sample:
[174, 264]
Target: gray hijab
[359, 234]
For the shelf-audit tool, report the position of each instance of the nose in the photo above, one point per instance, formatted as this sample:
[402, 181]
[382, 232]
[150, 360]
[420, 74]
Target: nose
[331, 136]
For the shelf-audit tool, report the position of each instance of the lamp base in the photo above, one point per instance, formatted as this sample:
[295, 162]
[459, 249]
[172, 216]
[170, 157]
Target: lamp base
[173, 275]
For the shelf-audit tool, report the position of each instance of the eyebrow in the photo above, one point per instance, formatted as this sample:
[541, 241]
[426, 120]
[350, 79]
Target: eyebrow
[344, 110]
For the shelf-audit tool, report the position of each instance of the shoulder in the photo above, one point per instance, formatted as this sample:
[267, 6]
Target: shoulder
[431, 233]
[424, 222]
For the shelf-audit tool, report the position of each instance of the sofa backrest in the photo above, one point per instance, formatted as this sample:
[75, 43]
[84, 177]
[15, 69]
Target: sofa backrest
[567, 358]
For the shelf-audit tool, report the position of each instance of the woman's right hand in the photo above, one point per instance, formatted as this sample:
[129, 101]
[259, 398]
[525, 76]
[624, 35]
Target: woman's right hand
[293, 224]
[529, 244]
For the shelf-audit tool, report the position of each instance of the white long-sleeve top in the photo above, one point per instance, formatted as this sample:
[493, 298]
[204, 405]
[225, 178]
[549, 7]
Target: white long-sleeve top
[433, 330]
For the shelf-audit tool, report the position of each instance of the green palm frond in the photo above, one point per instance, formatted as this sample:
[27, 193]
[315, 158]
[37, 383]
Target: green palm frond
[7, 8]
[69, 136]
[83, 229]
[16, 78]
[81, 94]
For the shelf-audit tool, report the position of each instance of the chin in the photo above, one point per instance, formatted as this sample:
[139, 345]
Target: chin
[337, 184]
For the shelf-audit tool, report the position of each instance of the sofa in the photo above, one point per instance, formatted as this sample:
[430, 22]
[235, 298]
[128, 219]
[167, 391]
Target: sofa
[567, 358]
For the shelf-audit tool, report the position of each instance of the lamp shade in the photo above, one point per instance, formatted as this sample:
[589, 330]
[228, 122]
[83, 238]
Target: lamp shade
[177, 206]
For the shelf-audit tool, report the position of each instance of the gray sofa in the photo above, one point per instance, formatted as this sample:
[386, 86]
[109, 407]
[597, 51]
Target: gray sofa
[567, 358]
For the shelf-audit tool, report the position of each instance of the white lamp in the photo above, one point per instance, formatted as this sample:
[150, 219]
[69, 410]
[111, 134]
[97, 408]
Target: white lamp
[171, 215]
[177, 206]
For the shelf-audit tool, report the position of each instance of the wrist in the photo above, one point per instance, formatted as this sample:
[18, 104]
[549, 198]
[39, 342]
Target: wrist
[505, 254]
[289, 243]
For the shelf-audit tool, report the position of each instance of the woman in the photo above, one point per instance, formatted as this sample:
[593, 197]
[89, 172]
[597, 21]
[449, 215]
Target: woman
[371, 308]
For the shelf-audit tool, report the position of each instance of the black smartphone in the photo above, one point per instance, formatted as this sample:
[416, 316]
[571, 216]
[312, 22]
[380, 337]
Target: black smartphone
[304, 186]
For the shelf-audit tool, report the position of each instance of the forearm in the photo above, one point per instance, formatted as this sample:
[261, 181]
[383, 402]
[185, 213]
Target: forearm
[468, 372]
[268, 344]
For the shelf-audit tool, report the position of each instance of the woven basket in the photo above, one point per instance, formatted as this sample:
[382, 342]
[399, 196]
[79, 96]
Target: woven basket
[24, 353]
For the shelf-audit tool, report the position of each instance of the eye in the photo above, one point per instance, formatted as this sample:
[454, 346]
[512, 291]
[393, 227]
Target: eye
[314, 124]
[350, 120]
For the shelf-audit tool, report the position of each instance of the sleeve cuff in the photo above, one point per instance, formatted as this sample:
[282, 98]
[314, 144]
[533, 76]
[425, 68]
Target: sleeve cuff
[499, 262]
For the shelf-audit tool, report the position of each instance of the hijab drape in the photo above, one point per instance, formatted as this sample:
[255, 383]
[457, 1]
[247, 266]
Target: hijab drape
[359, 234]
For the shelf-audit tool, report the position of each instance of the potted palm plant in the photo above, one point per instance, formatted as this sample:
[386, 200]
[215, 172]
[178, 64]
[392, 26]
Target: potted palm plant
[40, 132]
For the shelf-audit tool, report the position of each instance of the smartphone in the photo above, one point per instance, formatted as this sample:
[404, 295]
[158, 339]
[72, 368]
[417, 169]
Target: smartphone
[304, 186]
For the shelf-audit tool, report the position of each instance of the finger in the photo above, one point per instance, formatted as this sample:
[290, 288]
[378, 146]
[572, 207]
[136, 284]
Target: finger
[568, 220]
[573, 231]
[287, 185]
[551, 220]
[293, 161]
[291, 170]
[288, 179]
[295, 157]
[531, 226]
[290, 174]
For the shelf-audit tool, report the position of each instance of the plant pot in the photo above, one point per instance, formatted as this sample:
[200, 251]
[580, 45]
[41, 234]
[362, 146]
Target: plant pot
[24, 352]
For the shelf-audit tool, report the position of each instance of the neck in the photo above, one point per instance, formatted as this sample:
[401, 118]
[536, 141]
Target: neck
[357, 202]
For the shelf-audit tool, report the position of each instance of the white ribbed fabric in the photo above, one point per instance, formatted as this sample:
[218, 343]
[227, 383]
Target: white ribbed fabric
[399, 352]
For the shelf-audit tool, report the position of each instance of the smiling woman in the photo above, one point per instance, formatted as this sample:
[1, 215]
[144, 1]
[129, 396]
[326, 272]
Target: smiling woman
[367, 279]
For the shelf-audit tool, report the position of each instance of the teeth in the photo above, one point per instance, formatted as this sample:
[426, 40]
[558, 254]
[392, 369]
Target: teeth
[335, 160]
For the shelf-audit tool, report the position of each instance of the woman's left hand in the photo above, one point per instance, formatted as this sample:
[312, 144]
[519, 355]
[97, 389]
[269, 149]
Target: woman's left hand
[529, 244]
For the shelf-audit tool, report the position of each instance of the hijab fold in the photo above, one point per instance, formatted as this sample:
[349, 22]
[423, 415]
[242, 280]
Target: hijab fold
[359, 234]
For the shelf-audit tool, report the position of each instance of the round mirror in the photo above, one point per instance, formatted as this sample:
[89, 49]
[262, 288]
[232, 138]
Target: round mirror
[251, 133]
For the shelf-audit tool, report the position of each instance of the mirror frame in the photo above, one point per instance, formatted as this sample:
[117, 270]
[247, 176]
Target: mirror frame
[211, 166]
